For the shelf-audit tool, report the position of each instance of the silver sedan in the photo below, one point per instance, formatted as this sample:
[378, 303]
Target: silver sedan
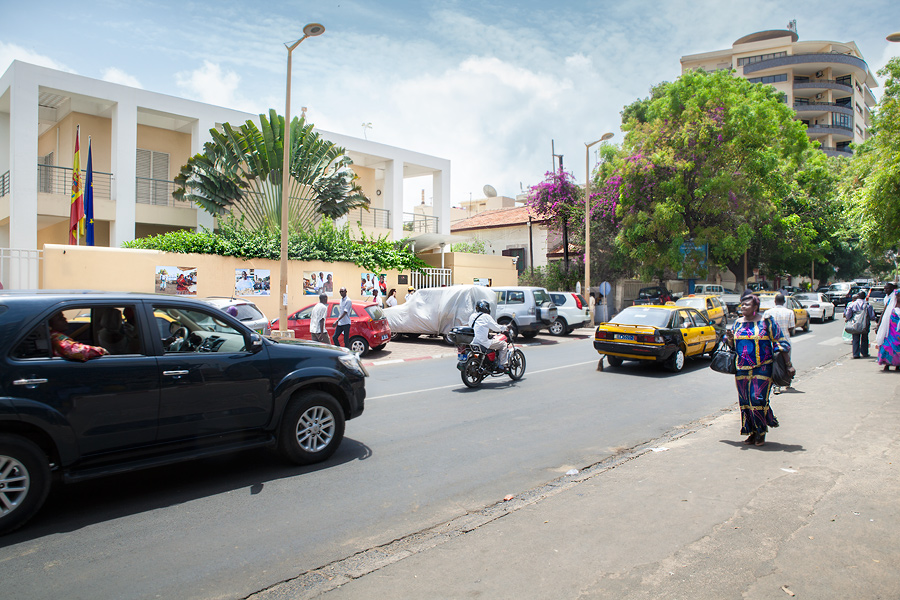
[818, 305]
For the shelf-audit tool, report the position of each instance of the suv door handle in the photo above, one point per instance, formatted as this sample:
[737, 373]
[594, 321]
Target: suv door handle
[176, 373]
[29, 381]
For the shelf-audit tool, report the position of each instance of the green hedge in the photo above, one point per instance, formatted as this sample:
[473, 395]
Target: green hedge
[325, 242]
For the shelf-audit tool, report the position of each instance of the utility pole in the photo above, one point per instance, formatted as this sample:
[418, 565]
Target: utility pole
[565, 220]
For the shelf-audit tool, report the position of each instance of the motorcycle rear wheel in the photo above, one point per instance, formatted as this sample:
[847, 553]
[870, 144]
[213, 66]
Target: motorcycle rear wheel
[471, 373]
[517, 365]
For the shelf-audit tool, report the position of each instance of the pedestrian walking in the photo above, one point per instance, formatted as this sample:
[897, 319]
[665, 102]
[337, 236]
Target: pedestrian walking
[343, 323]
[409, 293]
[786, 320]
[391, 299]
[755, 340]
[888, 338]
[861, 339]
[317, 320]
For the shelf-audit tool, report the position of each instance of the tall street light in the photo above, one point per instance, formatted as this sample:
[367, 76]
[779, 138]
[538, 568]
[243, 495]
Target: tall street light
[311, 30]
[894, 37]
[587, 220]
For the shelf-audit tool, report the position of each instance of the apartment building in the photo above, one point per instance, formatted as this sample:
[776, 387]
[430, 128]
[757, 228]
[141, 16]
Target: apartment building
[139, 141]
[827, 83]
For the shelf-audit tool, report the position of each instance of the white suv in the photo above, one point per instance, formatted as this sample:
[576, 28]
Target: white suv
[526, 310]
[572, 312]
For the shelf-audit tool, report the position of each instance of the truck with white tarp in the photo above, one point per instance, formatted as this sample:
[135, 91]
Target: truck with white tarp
[435, 311]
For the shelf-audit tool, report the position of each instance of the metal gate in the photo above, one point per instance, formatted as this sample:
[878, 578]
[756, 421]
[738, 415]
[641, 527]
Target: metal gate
[429, 278]
[20, 269]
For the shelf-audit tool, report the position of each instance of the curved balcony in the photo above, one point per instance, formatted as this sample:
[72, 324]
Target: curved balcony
[823, 84]
[838, 152]
[822, 107]
[842, 133]
[817, 60]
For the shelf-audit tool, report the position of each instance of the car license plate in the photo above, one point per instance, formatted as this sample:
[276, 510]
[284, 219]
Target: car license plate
[624, 336]
[384, 336]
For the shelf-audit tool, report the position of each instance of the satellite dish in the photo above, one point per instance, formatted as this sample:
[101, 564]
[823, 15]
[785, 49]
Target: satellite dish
[489, 191]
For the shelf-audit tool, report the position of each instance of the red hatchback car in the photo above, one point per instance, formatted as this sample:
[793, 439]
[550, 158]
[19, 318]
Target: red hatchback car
[368, 326]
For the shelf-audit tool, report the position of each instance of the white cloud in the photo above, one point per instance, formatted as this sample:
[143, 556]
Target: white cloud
[114, 75]
[214, 85]
[11, 52]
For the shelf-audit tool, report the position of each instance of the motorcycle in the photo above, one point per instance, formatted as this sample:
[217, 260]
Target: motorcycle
[477, 363]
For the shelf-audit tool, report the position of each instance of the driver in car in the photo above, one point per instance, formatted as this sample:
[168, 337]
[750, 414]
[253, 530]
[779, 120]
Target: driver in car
[483, 323]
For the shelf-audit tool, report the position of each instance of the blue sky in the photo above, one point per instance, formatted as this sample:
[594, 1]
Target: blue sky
[487, 85]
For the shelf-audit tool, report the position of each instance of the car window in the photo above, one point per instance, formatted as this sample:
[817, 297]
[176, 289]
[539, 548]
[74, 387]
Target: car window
[501, 297]
[198, 331]
[514, 297]
[304, 313]
[558, 299]
[113, 328]
[700, 320]
[680, 319]
[692, 302]
[248, 312]
[638, 315]
[540, 296]
[806, 297]
[336, 311]
[375, 312]
[873, 293]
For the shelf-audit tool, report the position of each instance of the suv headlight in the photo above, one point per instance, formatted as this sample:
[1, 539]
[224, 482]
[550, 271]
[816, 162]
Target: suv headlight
[351, 361]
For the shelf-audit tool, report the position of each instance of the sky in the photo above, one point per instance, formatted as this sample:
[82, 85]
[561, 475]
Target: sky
[491, 86]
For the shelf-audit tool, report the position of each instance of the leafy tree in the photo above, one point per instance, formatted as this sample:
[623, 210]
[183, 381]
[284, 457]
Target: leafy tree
[705, 159]
[476, 246]
[874, 185]
[240, 170]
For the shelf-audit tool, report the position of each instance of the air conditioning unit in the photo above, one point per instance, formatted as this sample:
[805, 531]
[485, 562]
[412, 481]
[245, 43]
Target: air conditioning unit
[819, 73]
[818, 96]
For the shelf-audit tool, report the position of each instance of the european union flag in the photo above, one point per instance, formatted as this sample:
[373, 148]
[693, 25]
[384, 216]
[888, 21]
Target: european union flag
[89, 200]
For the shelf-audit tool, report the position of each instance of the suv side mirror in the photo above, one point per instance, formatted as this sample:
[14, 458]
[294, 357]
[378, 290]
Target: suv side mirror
[256, 342]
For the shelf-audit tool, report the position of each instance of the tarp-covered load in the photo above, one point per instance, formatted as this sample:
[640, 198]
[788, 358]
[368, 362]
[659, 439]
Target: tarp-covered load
[435, 311]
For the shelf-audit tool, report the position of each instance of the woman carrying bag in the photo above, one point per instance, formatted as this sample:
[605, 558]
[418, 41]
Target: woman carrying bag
[755, 340]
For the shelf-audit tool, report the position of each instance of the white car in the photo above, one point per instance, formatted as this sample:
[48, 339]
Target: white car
[572, 312]
[818, 305]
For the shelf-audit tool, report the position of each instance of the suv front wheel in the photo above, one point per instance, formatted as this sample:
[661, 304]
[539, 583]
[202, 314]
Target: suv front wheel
[311, 429]
[24, 481]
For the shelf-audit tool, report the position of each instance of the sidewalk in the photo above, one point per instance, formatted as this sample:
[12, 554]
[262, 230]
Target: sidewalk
[813, 514]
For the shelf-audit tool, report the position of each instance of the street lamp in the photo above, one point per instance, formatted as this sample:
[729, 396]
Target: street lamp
[894, 37]
[587, 220]
[311, 30]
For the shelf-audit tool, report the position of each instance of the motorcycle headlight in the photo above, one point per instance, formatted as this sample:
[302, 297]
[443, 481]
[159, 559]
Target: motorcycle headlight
[351, 361]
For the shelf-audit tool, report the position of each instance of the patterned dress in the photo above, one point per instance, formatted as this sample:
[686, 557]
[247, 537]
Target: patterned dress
[756, 343]
[68, 348]
[889, 351]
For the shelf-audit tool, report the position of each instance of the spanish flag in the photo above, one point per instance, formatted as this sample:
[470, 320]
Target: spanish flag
[76, 209]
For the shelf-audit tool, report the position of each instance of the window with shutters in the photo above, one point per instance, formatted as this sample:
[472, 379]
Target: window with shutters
[45, 174]
[152, 177]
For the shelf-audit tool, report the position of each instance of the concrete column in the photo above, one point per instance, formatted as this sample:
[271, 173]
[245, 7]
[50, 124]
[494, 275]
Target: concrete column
[23, 151]
[393, 195]
[199, 136]
[440, 191]
[124, 169]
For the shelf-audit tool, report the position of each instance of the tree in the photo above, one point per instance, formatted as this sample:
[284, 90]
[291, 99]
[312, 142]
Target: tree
[705, 159]
[874, 185]
[240, 170]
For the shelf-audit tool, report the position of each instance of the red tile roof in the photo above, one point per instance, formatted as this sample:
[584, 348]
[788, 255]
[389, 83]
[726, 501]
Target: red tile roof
[503, 217]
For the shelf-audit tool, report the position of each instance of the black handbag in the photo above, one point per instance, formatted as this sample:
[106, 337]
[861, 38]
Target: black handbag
[724, 361]
[780, 374]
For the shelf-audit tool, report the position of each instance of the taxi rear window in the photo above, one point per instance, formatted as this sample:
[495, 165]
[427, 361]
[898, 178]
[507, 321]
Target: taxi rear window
[637, 315]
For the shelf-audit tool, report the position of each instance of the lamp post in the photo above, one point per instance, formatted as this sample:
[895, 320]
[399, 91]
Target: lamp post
[587, 220]
[311, 30]
[894, 37]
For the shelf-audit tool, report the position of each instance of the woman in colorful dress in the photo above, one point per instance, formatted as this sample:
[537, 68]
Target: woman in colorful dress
[68, 348]
[755, 339]
[888, 338]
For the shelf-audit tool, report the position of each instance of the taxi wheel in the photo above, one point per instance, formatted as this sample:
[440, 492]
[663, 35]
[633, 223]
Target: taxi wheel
[675, 363]
[806, 326]
[614, 361]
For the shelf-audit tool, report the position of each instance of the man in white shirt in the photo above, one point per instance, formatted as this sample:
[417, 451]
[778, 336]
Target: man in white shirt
[786, 321]
[483, 323]
[343, 323]
[317, 320]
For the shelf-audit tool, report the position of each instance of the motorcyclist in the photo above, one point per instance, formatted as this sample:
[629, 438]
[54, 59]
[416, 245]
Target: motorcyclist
[483, 323]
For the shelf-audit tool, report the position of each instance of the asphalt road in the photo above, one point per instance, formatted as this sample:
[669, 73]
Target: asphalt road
[426, 450]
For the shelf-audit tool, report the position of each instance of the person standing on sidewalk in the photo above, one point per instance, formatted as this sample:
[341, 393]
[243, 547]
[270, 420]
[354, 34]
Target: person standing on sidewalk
[343, 323]
[755, 339]
[888, 338]
[317, 320]
[785, 319]
[860, 340]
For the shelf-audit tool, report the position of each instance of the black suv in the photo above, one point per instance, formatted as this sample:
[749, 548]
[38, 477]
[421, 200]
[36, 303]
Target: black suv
[181, 380]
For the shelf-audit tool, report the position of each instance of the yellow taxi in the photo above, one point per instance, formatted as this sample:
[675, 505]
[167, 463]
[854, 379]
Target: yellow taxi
[801, 315]
[662, 334]
[707, 305]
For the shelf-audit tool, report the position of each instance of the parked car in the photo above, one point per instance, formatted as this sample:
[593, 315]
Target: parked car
[435, 311]
[212, 387]
[661, 334]
[247, 312]
[759, 286]
[571, 312]
[801, 315]
[369, 329]
[842, 293]
[732, 300]
[876, 297]
[708, 288]
[655, 294]
[818, 305]
[709, 306]
[525, 310]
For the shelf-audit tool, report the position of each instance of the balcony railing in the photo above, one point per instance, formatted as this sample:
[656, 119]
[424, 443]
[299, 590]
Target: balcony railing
[806, 58]
[822, 84]
[823, 128]
[158, 192]
[833, 151]
[374, 217]
[4, 184]
[58, 180]
[417, 223]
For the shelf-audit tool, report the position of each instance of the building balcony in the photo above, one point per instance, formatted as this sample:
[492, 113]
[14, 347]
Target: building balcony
[822, 107]
[816, 61]
[838, 152]
[841, 133]
[823, 84]
[416, 223]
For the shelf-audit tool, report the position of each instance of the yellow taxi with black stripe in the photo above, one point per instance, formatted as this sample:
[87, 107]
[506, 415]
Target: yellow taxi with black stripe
[708, 305]
[661, 334]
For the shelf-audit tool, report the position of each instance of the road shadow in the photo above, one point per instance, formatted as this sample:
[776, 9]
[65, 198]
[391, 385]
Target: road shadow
[78, 505]
[767, 447]
[643, 368]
